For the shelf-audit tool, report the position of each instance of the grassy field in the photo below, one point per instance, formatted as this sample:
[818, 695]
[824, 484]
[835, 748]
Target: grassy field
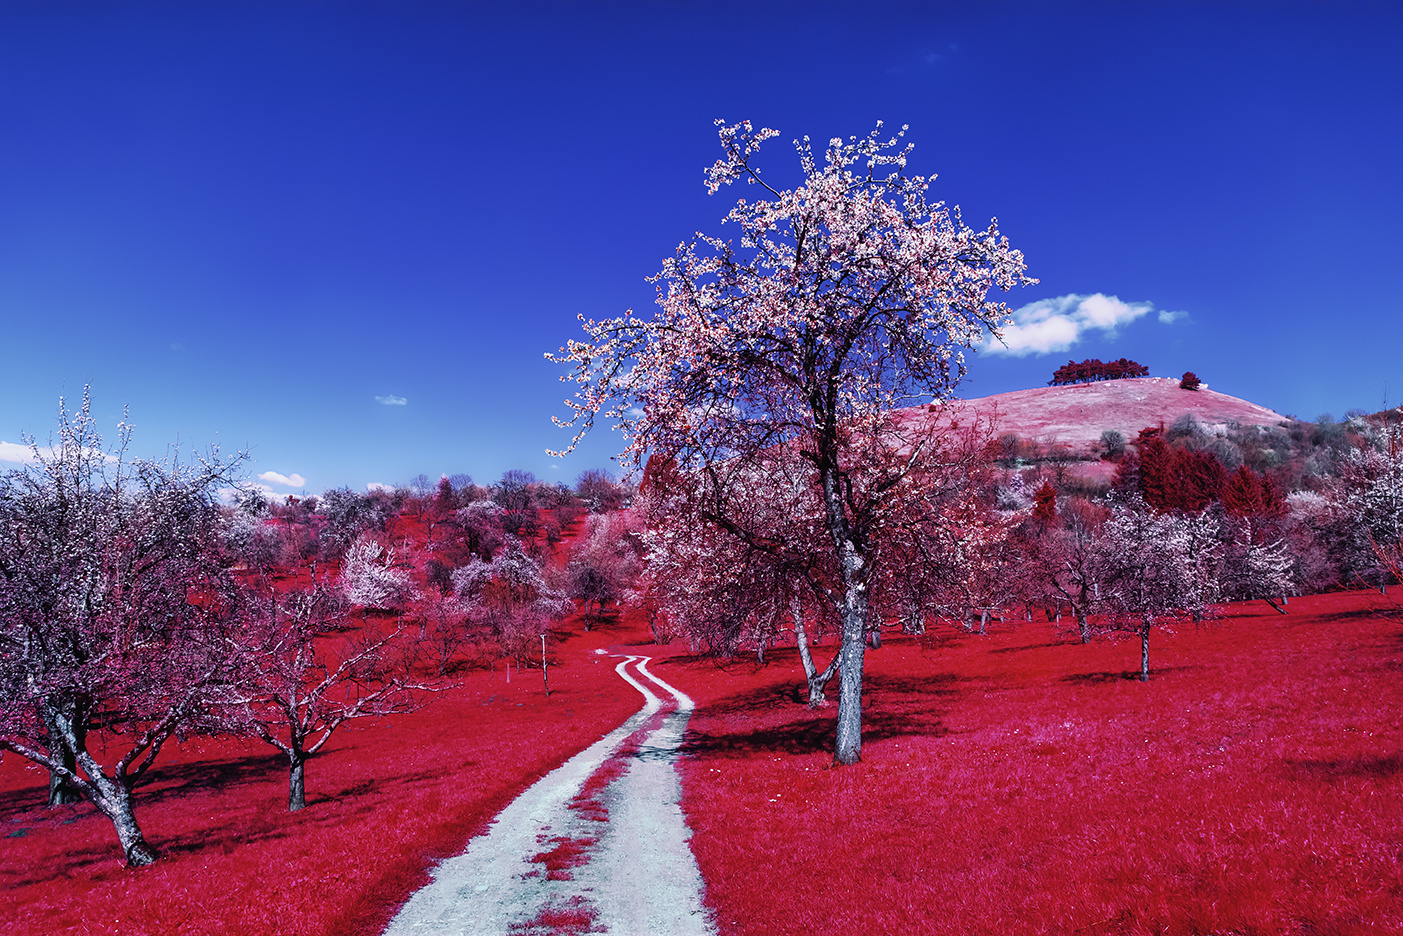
[1025, 783]
[385, 801]
[1015, 783]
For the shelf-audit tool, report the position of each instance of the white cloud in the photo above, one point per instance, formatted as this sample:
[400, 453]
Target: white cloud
[22, 453]
[374, 486]
[15, 452]
[1169, 318]
[391, 400]
[292, 480]
[1050, 325]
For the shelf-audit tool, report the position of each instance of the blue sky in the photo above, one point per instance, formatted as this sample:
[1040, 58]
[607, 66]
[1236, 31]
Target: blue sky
[268, 225]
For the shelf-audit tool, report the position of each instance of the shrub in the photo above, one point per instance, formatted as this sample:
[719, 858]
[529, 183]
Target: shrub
[1189, 381]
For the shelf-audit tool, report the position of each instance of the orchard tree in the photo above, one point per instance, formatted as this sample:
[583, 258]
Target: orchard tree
[1368, 494]
[346, 515]
[603, 563]
[598, 491]
[719, 592]
[1070, 561]
[836, 302]
[512, 597]
[515, 494]
[371, 578]
[303, 676]
[116, 613]
[1258, 562]
[1158, 569]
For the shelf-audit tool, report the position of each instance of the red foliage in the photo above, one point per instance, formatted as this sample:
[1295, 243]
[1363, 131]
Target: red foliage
[1173, 478]
[1248, 494]
[564, 855]
[1045, 504]
[1093, 369]
[1189, 381]
[1016, 784]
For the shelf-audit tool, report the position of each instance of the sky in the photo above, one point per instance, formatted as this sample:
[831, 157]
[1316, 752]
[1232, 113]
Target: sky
[341, 236]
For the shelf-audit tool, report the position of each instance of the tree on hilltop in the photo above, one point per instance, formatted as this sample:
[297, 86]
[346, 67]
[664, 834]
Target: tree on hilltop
[1093, 369]
[839, 301]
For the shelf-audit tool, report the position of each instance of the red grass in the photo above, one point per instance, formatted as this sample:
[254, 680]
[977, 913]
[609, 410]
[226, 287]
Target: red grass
[385, 801]
[590, 802]
[561, 918]
[568, 854]
[1017, 783]
[1020, 783]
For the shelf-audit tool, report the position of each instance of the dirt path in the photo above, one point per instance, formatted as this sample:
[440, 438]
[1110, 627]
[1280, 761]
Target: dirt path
[599, 844]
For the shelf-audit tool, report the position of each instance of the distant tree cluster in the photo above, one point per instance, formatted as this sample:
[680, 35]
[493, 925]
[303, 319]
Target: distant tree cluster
[1093, 369]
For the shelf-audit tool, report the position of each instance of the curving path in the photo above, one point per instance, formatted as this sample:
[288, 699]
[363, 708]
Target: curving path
[599, 843]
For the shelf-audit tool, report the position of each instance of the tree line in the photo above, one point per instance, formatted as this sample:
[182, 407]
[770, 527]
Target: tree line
[1094, 369]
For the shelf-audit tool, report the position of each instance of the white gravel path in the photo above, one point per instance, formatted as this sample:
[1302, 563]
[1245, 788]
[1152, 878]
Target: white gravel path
[639, 877]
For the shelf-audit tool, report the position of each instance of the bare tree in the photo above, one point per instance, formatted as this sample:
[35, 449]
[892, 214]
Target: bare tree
[304, 676]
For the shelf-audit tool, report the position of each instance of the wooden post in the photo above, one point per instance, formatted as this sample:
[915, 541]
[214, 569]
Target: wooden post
[544, 677]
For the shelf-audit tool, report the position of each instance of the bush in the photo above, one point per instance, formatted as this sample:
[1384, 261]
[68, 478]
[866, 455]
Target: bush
[1189, 381]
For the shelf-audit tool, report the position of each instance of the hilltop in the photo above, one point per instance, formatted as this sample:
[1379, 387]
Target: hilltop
[1076, 415]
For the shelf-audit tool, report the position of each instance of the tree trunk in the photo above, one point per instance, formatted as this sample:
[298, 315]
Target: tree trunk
[874, 638]
[134, 845]
[114, 800]
[817, 681]
[296, 783]
[62, 792]
[1145, 653]
[1084, 627]
[847, 748]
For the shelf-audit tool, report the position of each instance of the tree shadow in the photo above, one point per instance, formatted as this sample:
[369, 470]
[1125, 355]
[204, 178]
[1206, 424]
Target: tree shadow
[893, 707]
[1041, 646]
[1364, 766]
[1353, 614]
[813, 734]
[1123, 675]
[166, 781]
[176, 780]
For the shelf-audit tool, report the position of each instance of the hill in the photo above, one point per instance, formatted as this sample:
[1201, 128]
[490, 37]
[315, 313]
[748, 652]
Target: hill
[1076, 415]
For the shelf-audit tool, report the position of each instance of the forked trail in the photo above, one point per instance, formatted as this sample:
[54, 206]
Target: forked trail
[598, 844]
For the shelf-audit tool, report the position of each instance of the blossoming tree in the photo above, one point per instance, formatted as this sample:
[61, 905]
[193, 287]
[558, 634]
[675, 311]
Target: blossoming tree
[116, 622]
[839, 300]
